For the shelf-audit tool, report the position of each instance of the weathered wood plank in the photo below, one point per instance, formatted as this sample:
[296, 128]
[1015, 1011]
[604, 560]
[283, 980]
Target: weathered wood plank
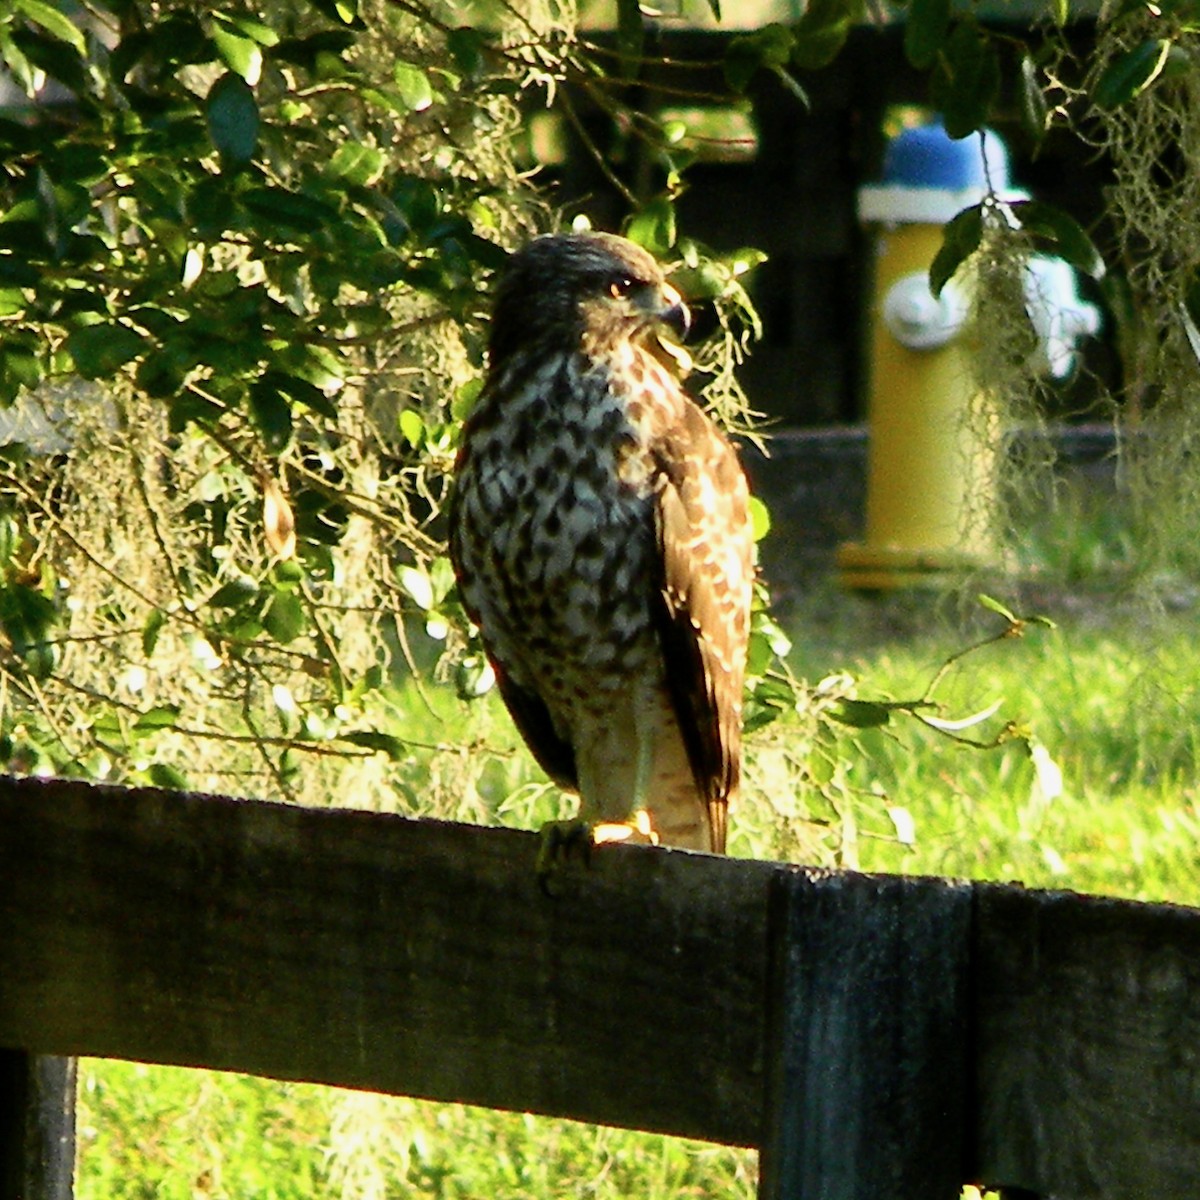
[867, 1046]
[421, 958]
[37, 1126]
[380, 953]
[1088, 1063]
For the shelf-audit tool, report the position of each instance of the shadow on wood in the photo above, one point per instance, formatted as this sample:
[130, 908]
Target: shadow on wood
[870, 1033]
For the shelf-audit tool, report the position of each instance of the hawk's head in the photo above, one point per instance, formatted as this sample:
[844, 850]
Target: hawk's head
[565, 290]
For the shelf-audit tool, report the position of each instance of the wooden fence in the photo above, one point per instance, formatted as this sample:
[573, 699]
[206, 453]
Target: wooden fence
[879, 1038]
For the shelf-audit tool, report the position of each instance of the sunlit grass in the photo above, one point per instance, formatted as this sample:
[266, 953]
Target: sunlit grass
[1112, 697]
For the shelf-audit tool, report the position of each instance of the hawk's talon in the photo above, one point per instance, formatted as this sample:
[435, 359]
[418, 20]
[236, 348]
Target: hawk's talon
[557, 840]
[637, 831]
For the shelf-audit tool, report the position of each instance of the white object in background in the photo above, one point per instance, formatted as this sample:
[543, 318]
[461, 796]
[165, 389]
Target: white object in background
[917, 318]
[1059, 317]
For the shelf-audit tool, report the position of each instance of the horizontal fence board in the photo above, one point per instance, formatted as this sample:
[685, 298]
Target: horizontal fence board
[422, 958]
[375, 952]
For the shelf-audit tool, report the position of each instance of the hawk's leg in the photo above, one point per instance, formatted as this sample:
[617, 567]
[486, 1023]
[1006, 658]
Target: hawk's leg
[559, 841]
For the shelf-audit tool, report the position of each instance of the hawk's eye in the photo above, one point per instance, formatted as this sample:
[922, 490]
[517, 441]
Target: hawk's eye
[622, 285]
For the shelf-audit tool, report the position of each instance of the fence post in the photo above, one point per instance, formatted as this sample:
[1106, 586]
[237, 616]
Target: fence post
[866, 1076]
[37, 1126]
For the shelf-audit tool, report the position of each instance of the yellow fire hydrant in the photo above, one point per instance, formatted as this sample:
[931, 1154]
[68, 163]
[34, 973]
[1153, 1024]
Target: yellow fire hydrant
[930, 458]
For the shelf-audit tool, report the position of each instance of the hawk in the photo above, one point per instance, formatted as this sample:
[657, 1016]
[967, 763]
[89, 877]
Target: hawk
[601, 538]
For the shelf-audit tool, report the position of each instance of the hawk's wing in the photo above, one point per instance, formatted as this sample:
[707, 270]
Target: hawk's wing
[532, 719]
[706, 546]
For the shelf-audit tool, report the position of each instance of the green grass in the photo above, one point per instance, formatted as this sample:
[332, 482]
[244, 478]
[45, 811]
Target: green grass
[1111, 695]
[1112, 698]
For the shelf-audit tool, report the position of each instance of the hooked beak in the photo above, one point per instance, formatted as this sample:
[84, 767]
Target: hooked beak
[674, 313]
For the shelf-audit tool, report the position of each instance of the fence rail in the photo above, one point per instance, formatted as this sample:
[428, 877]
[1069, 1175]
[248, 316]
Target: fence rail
[875, 1036]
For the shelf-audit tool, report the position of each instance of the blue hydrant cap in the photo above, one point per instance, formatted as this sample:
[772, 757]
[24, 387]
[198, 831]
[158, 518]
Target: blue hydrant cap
[928, 157]
[928, 176]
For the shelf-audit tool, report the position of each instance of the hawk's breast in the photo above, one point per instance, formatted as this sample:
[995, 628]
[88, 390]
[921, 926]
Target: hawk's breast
[555, 530]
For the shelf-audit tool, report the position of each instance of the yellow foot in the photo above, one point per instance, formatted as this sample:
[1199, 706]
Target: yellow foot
[560, 840]
[637, 831]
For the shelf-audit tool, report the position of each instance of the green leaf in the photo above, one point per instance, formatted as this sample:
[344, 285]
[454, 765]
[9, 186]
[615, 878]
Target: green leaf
[151, 629]
[288, 572]
[473, 677]
[53, 22]
[161, 373]
[20, 367]
[283, 617]
[765, 629]
[100, 350]
[861, 714]
[960, 240]
[412, 427]
[760, 518]
[654, 226]
[49, 212]
[925, 31]
[302, 392]
[994, 605]
[231, 113]
[418, 586]
[372, 739]
[291, 212]
[315, 365]
[441, 576]
[356, 163]
[466, 46]
[345, 11]
[271, 414]
[1035, 112]
[758, 716]
[163, 716]
[10, 538]
[775, 44]
[264, 35]
[742, 62]
[27, 616]
[193, 405]
[822, 32]
[165, 776]
[1066, 237]
[1131, 73]
[56, 58]
[966, 79]
[770, 47]
[234, 593]
[759, 654]
[413, 85]
[242, 55]
[22, 70]
[464, 399]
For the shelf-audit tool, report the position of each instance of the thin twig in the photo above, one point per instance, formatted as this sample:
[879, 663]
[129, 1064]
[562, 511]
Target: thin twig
[594, 151]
